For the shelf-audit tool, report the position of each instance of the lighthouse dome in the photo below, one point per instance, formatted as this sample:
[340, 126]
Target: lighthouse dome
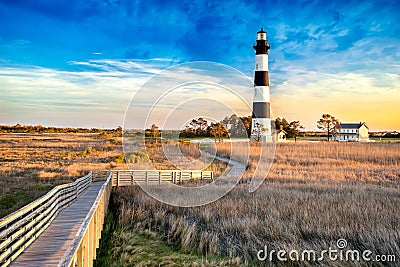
[262, 31]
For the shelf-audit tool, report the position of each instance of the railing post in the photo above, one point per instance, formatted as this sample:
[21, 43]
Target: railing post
[80, 256]
[131, 178]
[86, 250]
[146, 177]
[93, 237]
[117, 179]
[159, 177]
[112, 178]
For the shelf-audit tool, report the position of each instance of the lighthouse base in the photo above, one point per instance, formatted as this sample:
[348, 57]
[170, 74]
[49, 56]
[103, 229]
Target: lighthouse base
[261, 130]
[262, 138]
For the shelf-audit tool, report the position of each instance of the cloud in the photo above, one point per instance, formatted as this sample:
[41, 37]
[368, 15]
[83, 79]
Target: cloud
[19, 43]
[34, 90]
[223, 32]
[107, 86]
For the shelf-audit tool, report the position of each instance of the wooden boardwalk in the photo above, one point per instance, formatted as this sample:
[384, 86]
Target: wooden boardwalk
[63, 228]
[51, 245]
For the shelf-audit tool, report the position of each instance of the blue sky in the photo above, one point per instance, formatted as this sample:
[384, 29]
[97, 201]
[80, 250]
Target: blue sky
[77, 63]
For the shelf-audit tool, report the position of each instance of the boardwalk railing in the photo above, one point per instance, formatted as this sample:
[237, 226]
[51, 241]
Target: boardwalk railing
[21, 228]
[82, 250]
[130, 177]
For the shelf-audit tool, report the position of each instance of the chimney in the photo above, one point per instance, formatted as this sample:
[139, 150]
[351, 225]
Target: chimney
[281, 127]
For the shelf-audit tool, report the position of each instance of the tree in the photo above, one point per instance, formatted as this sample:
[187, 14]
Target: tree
[202, 123]
[232, 126]
[119, 130]
[329, 124]
[247, 124]
[154, 131]
[295, 127]
[213, 132]
[237, 127]
[282, 123]
[193, 124]
[218, 130]
[258, 131]
[199, 126]
[278, 122]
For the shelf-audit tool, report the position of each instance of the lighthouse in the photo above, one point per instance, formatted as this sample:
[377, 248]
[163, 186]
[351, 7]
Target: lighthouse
[261, 129]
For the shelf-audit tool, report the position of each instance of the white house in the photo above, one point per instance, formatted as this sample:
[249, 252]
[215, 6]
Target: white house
[356, 132]
[281, 135]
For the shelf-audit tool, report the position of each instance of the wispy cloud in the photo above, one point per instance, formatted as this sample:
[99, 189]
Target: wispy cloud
[33, 90]
[108, 85]
[19, 43]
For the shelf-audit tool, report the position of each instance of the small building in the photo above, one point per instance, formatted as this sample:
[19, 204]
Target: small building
[281, 135]
[355, 132]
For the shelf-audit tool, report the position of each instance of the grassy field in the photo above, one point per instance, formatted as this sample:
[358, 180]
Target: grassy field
[315, 194]
[32, 164]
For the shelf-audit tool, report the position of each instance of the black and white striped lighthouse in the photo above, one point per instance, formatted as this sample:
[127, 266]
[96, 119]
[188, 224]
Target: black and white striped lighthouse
[261, 118]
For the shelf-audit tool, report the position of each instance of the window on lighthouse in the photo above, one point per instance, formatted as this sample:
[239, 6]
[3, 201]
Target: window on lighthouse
[256, 66]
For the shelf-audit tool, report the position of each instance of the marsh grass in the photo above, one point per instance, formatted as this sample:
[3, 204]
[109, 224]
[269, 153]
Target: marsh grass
[144, 247]
[315, 194]
[32, 164]
[157, 156]
[377, 163]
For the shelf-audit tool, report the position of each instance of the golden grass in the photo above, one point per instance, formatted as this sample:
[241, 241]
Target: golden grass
[156, 153]
[31, 164]
[323, 161]
[315, 194]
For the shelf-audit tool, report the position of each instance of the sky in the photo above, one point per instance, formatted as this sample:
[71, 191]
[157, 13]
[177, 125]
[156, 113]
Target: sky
[78, 63]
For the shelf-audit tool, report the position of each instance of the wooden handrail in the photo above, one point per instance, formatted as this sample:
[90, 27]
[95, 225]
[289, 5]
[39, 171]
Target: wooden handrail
[19, 229]
[150, 170]
[82, 250]
[130, 177]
